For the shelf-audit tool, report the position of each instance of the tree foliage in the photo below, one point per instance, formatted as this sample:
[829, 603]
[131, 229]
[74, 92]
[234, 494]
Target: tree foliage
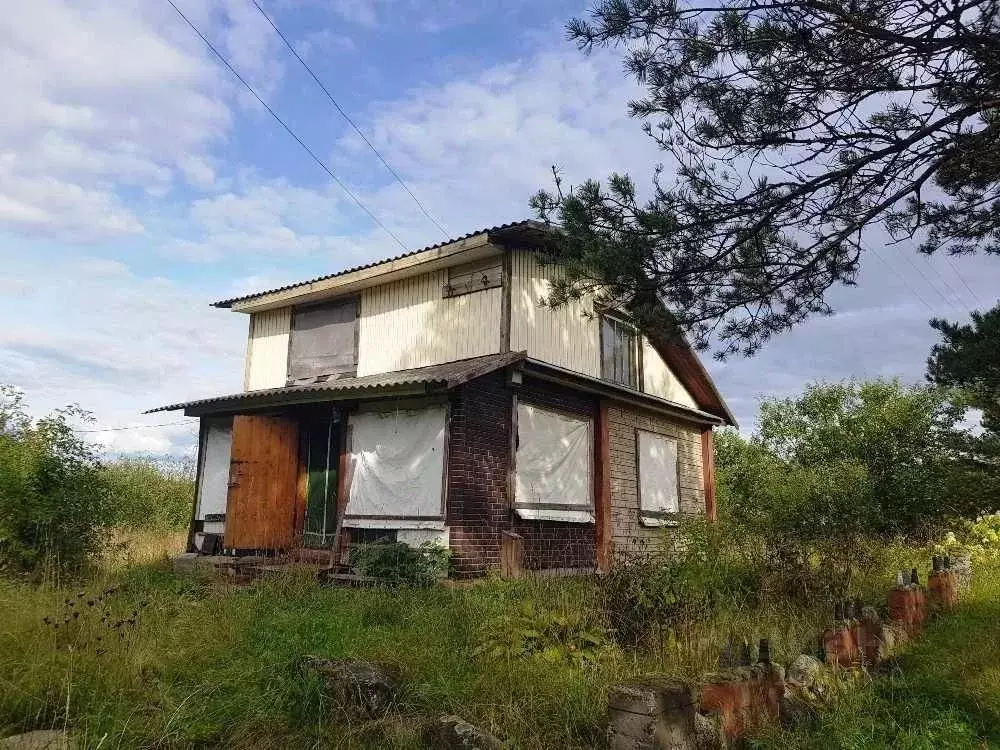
[968, 357]
[53, 503]
[848, 460]
[789, 126]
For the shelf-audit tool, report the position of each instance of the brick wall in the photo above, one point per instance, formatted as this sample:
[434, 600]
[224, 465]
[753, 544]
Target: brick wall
[478, 462]
[627, 533]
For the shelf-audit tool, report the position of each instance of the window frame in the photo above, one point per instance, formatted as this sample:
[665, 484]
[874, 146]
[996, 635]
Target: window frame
[635, 353]
[351, 299]
[657, 518]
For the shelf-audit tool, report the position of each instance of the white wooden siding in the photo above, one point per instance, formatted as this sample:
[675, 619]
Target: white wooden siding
[658, 380]
[267, 349]
[565, 336]
[409, 323]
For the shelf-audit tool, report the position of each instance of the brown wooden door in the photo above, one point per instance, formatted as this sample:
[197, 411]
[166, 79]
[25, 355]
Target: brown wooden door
[262, 483]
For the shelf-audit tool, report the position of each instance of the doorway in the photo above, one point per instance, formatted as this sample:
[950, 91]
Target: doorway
[322, 451]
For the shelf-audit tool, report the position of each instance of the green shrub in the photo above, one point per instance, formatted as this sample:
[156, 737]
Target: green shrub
[395, 563]
[146, 494]
[53, 504]
[568, 636]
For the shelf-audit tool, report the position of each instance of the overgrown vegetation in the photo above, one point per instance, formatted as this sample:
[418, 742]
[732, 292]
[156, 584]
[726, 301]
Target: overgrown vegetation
[398, 564]
[59, 503]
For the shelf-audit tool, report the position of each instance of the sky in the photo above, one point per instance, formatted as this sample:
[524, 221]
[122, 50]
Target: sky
[139, 181]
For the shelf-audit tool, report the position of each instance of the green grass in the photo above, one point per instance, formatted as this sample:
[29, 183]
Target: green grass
[211, 664]
[944, 693]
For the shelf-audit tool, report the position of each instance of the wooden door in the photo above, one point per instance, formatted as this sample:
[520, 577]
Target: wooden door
[261, 506]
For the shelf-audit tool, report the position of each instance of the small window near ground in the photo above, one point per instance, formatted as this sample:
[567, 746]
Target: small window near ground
[658, 497]
[474, 277]
[553, 466]
[619, 352]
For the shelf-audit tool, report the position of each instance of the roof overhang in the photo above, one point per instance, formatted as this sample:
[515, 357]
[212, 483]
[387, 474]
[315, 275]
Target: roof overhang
[470, 248]
[423, 381]
[544, 371]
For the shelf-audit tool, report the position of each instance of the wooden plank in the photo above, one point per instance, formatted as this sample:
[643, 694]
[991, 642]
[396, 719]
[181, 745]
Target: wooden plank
[202, 439]
[511, 555]
[505, 304]
[708, 472]
[602, 481]
[264, 466]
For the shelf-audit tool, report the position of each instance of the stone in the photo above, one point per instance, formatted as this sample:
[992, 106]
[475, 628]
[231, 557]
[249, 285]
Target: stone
[40, 739]
[805, 671]
[362, 687]
[654, 714]
[707, 734]
[455, 733]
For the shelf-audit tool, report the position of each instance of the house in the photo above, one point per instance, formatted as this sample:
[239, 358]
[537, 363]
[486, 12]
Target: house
[431, 397]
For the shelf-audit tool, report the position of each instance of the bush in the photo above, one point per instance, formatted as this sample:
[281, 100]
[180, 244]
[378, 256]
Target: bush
[53, 504]
[146, 494]
[395, 563]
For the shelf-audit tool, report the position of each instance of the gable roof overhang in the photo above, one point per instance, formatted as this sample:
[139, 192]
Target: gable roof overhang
[421, 381]
[467, 248]
[552, 373]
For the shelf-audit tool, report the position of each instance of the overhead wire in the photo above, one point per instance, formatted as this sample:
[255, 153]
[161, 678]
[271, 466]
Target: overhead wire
[350, 121]
[137, 427]
[288, 129]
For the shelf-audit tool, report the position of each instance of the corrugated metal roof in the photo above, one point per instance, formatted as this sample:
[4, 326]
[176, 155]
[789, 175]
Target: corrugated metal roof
[499, 229]
[447, 375]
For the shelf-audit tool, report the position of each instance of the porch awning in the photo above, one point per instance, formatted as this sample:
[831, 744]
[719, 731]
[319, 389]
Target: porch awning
[418, 381]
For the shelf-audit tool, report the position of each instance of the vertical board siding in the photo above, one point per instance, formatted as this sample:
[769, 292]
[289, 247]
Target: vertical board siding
[658, 380]
[565, 336]
[261, 507]
[267, 349]
[408, 323]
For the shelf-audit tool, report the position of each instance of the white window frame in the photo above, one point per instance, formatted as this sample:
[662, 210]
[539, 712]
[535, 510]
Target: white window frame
[655, 512]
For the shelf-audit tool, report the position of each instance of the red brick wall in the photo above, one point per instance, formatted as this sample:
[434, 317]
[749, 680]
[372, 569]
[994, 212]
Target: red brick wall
[478, 508]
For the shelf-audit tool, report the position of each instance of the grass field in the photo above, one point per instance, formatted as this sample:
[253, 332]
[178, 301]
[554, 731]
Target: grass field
[195, 662]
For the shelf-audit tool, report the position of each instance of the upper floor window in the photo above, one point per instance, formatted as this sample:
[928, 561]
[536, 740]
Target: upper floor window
[323, 342]
[619, 352]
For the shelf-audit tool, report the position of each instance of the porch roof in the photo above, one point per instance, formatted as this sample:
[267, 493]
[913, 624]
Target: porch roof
[417, 381]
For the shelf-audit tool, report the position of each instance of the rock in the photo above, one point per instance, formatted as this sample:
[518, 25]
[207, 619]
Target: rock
[707, 734]
[363, 687]
[40, 739]
[805, 671]
[455, 733]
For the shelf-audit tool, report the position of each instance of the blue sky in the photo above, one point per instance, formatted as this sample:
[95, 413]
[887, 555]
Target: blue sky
[138, 182]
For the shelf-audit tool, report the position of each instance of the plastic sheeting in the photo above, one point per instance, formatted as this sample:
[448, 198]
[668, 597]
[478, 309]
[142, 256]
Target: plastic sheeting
[554, 469]
[215, 453]
[657, 478]
[397, 469]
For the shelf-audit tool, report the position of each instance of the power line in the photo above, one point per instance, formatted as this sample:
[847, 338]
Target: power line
[283, 124]
[871, 249]
[138, 426]
[350, 121]
[966, 283]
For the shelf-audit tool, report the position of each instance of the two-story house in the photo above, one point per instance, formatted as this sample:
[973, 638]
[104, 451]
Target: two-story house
[431, 396]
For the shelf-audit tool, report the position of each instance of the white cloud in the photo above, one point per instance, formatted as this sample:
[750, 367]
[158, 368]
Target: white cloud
[103, 95]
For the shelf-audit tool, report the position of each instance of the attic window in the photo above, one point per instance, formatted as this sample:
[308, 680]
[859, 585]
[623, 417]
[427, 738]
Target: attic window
[323, 342]
[473, 277]
[619, 352]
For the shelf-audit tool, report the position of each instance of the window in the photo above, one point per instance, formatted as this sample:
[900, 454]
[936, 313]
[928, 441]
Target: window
[474, 277]
[553, 466]
[657, 478]
[323, 342]
[397, 469]
[619, 352]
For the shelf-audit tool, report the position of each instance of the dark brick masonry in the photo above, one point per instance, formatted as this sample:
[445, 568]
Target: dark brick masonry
[479, 449]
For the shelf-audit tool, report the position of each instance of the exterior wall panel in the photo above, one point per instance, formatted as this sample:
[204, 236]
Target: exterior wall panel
[409, 323]
[627, 533]
[565, 337]
[658, 380]
[267, 349]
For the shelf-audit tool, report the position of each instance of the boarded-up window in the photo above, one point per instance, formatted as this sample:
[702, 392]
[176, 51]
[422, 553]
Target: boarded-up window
[553, 466]
[474, 277]
[397, 469]
[619, 352]
[323, 342]
[214, 482]
[657, 478]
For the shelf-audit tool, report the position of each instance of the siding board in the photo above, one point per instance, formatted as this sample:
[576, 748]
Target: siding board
[658, 380]
[267, 349]
[409, 323]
